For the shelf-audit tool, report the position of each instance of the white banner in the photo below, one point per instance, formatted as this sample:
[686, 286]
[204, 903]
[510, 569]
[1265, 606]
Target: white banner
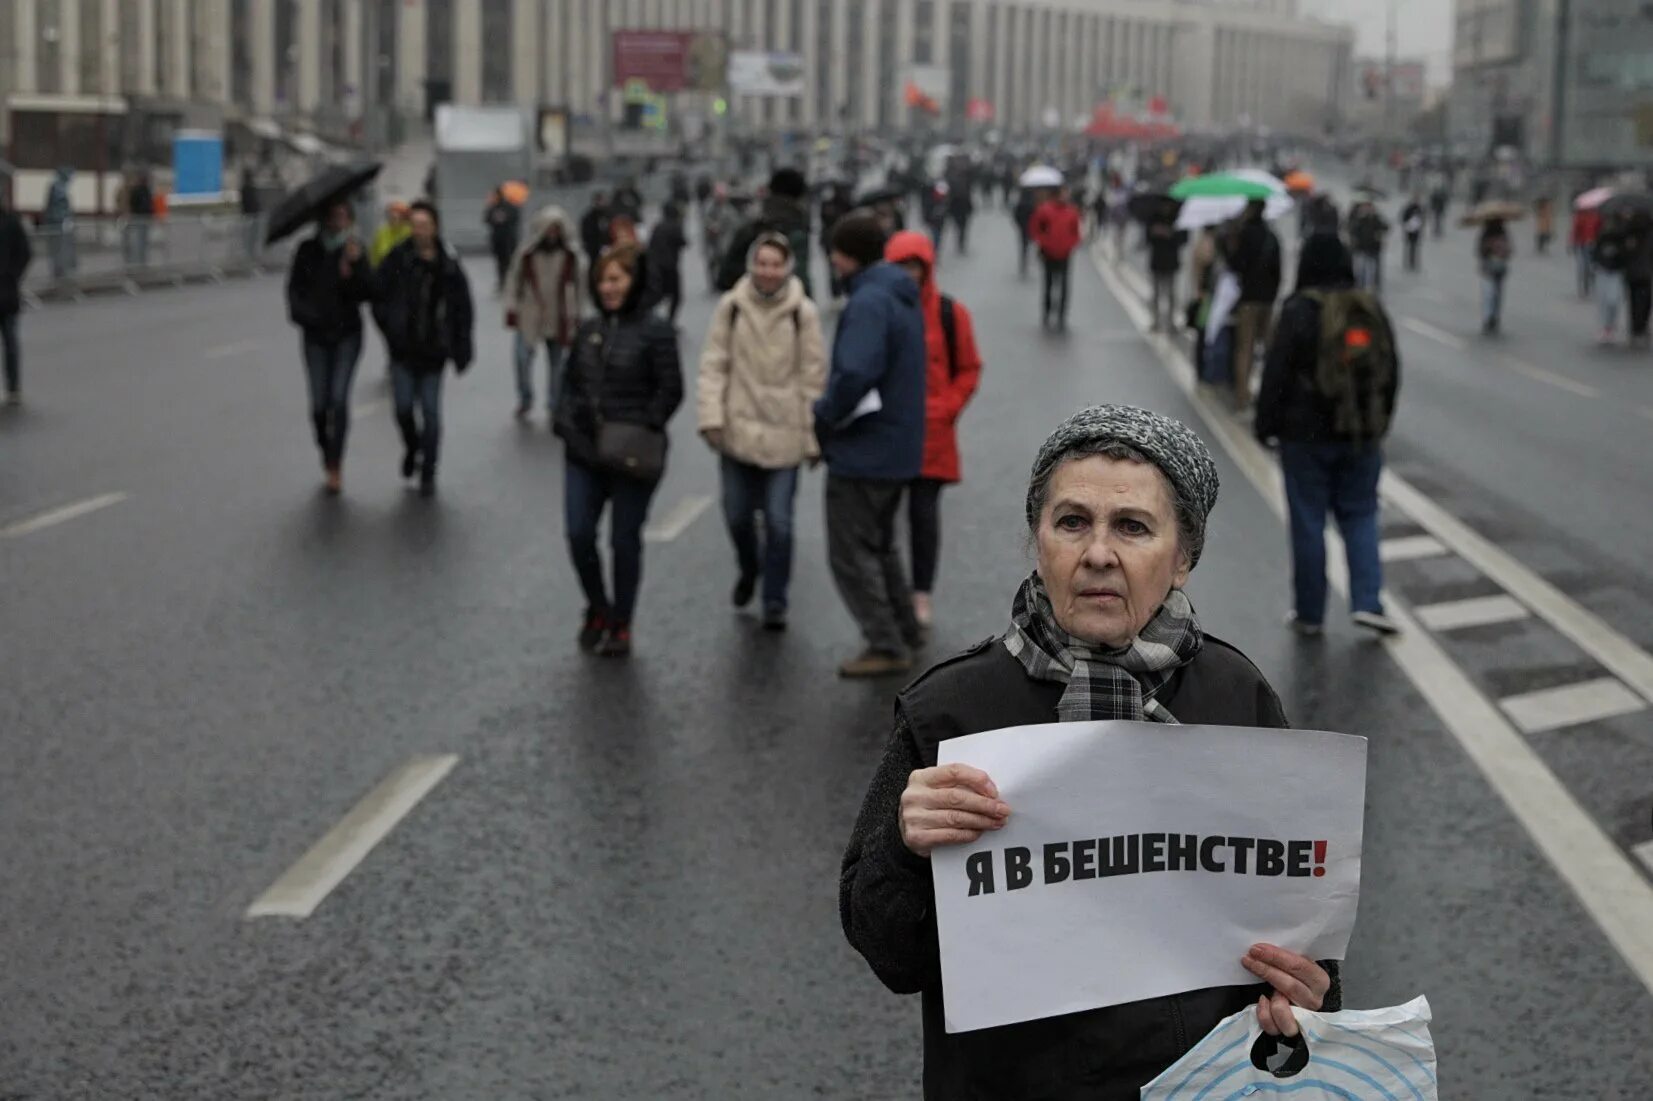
[755, 73]
[1143, 859]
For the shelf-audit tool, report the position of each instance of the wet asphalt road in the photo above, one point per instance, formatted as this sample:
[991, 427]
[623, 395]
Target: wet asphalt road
[627, 887]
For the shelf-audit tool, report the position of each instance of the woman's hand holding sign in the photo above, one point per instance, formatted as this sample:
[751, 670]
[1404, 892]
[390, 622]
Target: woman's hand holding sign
[950, 805]
[1297, 980]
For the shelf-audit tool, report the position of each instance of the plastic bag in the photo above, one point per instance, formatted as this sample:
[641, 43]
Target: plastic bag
[1355, 1055]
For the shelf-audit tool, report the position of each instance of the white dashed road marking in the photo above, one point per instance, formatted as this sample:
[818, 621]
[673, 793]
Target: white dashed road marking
[61, 515]
[1480, 611]
[302, 887]
[239, 347]
[677, 521]
[1571, 704]
[1560, 382]
[1439, 336]
[1408, 548]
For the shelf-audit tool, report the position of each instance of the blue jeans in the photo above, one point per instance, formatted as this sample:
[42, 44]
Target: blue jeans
[586, 492]
[330, 369]
[421, 391]
[525, 353]
[1609, 297]
[12, 351]
[1492, 300]
[1342, 477]
[747, 491]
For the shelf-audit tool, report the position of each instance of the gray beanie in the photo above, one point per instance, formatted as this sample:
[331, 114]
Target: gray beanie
[1169, 444]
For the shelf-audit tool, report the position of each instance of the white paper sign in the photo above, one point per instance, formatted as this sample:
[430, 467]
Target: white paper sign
[866, 407]
[1144, 859]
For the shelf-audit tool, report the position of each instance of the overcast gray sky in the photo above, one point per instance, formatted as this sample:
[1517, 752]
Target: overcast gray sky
[1425, 28]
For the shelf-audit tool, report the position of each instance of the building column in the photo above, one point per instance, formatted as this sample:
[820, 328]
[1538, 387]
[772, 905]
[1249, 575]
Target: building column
[353, 96]
[307, 37]
[758, 107]
[905, 33]
[215, 57]
[979, 51]
[68, 47]
[527, 59]
[839, 85]
[1078, 58]
[1000, 47]
[410, 58]
[26, 36]
[783, 112]
[556, 62]
[467, 52]
[146, 45]
[808, 38]
[873, 92]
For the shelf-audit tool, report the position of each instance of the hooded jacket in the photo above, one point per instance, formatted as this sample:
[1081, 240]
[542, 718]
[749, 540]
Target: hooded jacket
[544, 294]
[879, 346]
[396, 305]
[950, 381]
[1055, 228]
[779, 214]
[1290, 406]
[624, 368]
[15, 255]
[763, 367]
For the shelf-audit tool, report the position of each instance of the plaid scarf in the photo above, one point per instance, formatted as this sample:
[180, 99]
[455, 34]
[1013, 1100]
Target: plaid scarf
[1103, 684]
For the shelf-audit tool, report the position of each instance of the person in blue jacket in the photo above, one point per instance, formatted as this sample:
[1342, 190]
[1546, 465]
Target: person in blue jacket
[870, 423]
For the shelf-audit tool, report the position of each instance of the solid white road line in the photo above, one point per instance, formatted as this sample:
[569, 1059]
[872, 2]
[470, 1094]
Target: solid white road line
[1408, 548]
[1598, 871]
[302, 887]
[1440, 336]
[1644, 853]
[1480, 611]
[677, 521]
[223, 351]
[61, 515]
[1589, 632]
[1560, 382]
[1571, 704]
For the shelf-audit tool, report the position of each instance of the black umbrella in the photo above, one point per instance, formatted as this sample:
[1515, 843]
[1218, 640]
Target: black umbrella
[309, 201]
[1149, 206]
[886, 194]
[1634, 206]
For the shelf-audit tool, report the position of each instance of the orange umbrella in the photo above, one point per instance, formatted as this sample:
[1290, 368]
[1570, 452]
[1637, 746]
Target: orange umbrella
[1299, 181]
[515, 192]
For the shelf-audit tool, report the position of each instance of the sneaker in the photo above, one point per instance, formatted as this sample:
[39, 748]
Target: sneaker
[1376, 622]
[874, 663]
[745, 589]
[591, 632]
[335, 481]
[410, 463]
[1306, 629]
[616, 642]
[923, 609]
[774, 619]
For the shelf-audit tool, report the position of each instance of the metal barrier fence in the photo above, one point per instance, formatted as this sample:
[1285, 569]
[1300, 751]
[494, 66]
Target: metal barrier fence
[128, 254]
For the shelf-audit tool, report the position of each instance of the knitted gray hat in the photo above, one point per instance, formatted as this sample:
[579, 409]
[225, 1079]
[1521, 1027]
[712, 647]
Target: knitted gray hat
[1168, 444]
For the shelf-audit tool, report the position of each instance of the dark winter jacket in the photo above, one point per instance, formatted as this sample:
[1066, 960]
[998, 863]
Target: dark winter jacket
[423, 331]
[1027, 202]
[15, 255]
[886, 897]
[666, 245]
[779, 214]
[504, 226]
[624, 368]
[1367, 229]
[321, 301]
[1254, 256]
[594, 232]
[1290, 406]
[879, 346]
[1165, 244]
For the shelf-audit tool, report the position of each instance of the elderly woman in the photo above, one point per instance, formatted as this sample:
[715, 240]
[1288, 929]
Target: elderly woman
[1101, 630]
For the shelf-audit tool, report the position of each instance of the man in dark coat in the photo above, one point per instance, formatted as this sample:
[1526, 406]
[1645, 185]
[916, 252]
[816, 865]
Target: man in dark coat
[785, 211]
[1165, 243]
[1253, 255]
[504, 222]
[870, 421]
[423, 306]
[594, 237]
[1330, 431]
[665, 253]
[15, 255]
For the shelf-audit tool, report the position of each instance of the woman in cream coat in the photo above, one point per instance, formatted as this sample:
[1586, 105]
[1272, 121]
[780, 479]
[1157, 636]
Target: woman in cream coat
[763, 367]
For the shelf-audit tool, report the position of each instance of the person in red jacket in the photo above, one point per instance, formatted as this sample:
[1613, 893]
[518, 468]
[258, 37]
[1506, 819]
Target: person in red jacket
[1582, 244]
[952, 374]
[1056, 230]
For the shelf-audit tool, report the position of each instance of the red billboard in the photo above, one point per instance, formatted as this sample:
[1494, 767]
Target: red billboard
[670, 61]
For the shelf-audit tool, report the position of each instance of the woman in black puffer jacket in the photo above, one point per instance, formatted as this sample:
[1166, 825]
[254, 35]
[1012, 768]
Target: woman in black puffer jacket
[625, 371]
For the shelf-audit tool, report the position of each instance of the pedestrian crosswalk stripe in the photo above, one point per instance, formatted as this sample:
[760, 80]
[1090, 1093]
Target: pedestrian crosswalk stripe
[1410, 547]
[1571, 704]
[1480, 611]
[302, 887]
[677, 521]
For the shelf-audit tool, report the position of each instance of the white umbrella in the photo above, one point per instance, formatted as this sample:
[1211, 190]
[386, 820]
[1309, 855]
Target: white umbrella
[1043, 175]
[1205, 211]
[1257, 175]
